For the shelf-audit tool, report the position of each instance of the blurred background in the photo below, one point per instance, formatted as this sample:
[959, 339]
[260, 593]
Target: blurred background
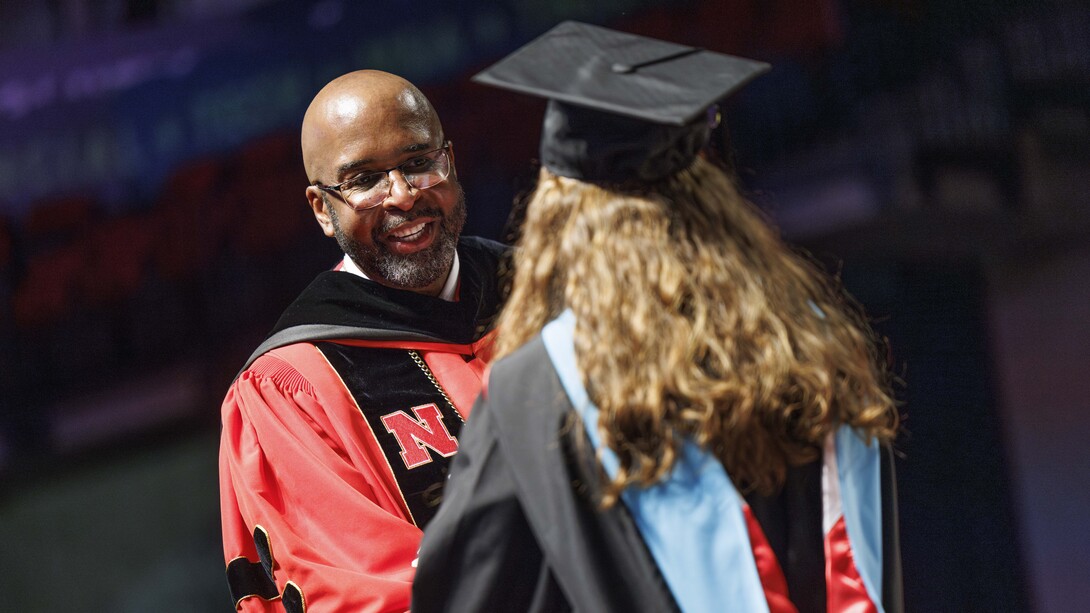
[934, 154]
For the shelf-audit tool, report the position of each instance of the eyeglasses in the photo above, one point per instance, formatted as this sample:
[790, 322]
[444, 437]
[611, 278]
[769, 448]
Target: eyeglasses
[368, 190]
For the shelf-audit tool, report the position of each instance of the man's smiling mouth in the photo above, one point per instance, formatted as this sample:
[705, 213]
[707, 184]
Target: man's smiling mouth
[408, 232]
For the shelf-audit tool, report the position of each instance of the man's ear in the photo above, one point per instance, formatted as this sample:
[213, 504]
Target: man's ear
[453, 166]
[319, 205]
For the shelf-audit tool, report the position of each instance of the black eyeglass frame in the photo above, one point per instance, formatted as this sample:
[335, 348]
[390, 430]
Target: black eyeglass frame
[337, 188]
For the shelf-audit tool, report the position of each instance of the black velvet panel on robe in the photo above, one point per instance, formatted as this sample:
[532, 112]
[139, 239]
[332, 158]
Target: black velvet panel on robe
[339, 305]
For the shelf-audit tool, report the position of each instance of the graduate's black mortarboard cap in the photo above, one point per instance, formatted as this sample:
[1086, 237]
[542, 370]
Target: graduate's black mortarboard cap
[622, 108]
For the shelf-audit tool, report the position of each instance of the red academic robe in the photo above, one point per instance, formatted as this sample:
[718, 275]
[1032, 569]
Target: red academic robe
[332, 450]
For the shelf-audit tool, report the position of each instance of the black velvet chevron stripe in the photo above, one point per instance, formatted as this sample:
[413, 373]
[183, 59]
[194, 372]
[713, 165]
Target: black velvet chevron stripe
[293, 599]
[246, 579]
[264, 549]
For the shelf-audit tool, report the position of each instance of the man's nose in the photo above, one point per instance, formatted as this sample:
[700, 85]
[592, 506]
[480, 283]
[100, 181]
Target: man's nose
[402, 195]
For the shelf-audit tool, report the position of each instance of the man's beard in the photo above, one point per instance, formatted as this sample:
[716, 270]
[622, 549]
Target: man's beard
[414, 270]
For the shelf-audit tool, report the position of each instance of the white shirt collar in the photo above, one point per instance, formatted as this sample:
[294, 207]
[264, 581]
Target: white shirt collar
[449, 287]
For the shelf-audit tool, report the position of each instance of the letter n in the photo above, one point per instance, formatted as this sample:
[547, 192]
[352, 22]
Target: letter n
[427, 430]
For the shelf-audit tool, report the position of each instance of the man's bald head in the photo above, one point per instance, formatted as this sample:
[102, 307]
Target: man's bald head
[357, 107]
[370, 124]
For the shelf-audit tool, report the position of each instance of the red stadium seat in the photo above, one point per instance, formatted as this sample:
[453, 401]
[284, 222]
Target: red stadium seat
[58, 219]
[49, 287]
[118, 253]
[190, 219]
[267, 191]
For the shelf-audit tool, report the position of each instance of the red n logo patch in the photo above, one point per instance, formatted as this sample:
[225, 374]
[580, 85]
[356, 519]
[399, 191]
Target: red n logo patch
[427, 430]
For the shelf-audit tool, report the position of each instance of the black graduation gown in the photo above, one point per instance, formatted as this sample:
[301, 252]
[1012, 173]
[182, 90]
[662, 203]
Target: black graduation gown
[518, 530]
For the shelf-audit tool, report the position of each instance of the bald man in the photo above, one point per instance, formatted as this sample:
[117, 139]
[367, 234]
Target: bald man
[338, 433]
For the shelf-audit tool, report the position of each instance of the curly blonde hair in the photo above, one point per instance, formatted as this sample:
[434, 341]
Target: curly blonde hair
[694, 320]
